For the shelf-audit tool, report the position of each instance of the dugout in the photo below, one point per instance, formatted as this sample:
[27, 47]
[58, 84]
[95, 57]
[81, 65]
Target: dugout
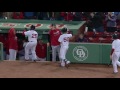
[97, 53]
[42, 27]
[1, 51]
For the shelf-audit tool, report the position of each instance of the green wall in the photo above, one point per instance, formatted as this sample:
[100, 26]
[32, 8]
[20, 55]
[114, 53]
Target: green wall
[1, 51]
[89, 53]
[82, 53]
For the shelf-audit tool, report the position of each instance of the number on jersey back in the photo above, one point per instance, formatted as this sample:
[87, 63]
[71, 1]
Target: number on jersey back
[66, 39]
[34, 35]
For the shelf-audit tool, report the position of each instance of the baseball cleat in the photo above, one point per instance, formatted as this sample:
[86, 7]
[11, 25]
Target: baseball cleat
[115, 72]
[62, 64]
[67, 64]
[34, 60]
[26, 60]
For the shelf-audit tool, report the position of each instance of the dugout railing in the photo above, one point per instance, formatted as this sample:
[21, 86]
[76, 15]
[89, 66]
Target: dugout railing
[1, 51]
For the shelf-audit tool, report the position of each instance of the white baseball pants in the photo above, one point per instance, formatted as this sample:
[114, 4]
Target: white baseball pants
[63, 51]
[12, 54]
[55, 49]
[30, 46]
[115, 62]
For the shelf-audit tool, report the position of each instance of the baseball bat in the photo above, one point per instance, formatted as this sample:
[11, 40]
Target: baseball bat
[110, 63]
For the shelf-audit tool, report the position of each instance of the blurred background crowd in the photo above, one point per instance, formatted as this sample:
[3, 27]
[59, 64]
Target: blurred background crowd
[71, 16]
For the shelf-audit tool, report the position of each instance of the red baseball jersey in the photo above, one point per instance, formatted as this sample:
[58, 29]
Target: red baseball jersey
[12, 39]
[41, 50]
[54, 35]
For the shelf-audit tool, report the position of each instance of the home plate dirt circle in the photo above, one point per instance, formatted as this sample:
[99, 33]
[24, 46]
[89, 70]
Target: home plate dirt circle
[48, 69]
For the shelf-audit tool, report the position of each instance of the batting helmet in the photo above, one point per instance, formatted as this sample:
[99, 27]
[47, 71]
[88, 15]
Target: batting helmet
[32, 27]
[115, 36]
[64, 30]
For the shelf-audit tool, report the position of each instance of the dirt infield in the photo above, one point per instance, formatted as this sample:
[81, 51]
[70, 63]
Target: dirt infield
[18, 69]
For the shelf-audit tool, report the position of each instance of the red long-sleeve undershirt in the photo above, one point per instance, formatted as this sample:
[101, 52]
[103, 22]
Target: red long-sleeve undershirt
[23, 32]
[112, 50]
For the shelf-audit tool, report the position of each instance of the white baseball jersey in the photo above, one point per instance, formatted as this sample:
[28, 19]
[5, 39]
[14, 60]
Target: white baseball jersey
[64, 39]
[116, 45]
[116, 54]
[24, 44]
[32, 35]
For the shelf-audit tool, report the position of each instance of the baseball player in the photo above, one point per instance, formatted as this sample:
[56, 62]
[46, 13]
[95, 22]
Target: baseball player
[64, 43]
[41, 49]
[13, 45]
[54, 35]
[115, 53]
[68, 30]
[32, 42]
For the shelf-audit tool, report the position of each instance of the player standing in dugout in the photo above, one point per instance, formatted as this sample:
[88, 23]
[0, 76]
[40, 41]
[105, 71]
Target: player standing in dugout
[13, 46]
[54, 35]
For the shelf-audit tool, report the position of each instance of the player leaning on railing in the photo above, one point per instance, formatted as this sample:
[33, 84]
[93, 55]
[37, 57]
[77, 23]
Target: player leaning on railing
[13, 46]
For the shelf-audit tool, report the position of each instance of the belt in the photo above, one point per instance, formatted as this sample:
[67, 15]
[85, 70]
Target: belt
[32, 41]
